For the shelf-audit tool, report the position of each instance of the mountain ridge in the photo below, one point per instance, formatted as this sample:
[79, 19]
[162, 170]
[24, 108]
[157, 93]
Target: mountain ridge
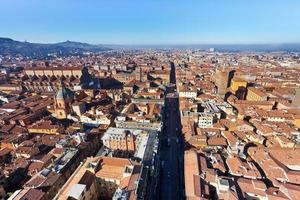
[9, 46]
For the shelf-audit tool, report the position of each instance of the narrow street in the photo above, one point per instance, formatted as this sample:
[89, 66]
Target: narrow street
[171, 180]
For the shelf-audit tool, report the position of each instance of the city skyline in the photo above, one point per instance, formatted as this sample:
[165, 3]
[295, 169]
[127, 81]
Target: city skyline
[149, 100]
[151, 23]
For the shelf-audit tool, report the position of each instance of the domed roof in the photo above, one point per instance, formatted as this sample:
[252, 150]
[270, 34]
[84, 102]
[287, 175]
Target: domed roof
[64, 93]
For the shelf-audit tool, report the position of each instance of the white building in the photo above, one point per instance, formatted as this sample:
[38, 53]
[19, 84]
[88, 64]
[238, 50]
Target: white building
[188, 94]
[205, 120]
[96, 120]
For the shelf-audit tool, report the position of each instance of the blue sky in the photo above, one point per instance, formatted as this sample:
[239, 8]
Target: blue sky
[152, 21]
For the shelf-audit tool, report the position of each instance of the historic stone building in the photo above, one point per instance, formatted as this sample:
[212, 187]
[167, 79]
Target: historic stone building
[63, 102]
[47, 79]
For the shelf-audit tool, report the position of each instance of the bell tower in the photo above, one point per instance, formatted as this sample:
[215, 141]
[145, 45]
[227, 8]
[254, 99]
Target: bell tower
[63, 102]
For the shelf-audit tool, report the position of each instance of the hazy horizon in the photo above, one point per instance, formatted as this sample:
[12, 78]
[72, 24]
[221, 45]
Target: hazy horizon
[158, 44]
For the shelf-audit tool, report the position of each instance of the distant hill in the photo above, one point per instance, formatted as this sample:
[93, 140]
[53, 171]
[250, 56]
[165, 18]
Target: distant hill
[12, 47]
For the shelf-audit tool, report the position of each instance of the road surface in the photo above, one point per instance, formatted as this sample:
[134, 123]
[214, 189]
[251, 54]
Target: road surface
[171, 152]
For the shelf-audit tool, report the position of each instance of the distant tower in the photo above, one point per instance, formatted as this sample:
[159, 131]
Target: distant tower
[222, 79]
[63, 100]
[296, 100]
[141, 78]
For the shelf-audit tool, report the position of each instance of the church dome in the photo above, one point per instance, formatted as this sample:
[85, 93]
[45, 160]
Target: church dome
[64, 94]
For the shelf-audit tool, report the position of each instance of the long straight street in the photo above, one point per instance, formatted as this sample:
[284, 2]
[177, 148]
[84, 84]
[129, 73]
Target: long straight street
[171, 186]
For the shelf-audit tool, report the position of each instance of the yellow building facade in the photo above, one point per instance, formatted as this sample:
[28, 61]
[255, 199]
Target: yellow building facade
[254, 94]
[236, 83]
